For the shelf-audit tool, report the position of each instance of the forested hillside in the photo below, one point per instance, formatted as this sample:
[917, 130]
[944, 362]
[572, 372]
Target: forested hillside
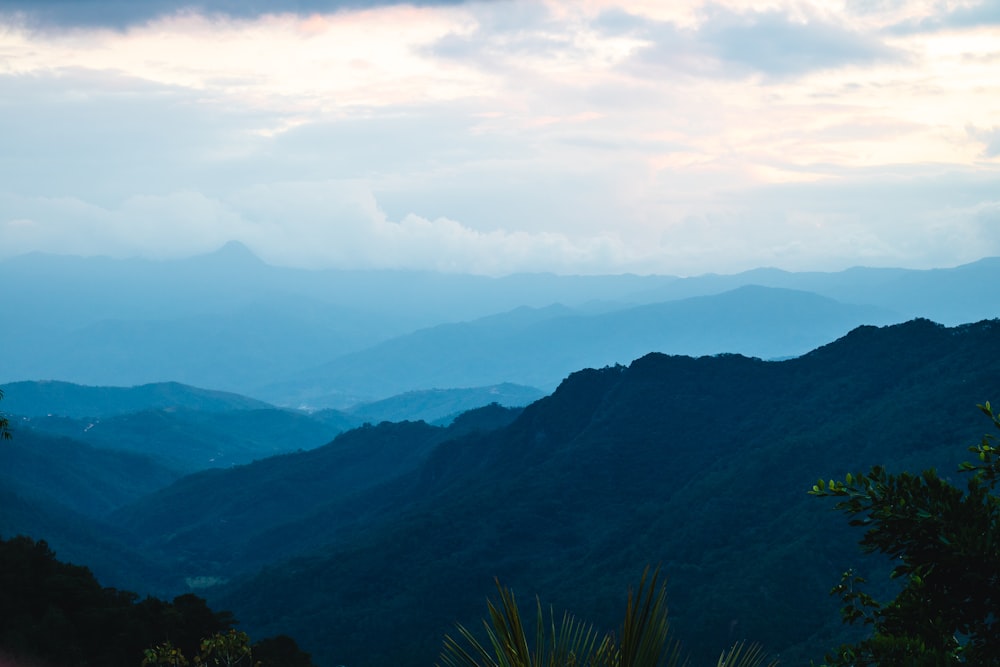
[701, 465]
[369, 549]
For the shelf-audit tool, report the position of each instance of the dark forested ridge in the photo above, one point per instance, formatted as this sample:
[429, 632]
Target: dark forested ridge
[221, 523]
[699, 464]
[367, 550]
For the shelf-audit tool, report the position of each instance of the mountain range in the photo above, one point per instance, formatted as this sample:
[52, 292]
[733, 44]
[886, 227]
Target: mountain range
[369, 548]
[336, 339]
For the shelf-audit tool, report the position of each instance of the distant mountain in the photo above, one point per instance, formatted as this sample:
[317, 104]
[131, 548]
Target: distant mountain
[228, 321]
[951, 296]
[539, 348]
[442, 405]
[189, 440]
[188, 429]
[64, 399]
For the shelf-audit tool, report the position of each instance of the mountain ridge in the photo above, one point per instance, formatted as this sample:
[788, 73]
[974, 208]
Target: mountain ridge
[674, 460]
[125, 322]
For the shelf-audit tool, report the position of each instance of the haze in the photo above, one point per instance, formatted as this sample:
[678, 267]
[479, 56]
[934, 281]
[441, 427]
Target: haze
[497, 137]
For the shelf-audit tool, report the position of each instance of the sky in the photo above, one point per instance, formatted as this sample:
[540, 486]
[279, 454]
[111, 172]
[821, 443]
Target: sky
[576, 136]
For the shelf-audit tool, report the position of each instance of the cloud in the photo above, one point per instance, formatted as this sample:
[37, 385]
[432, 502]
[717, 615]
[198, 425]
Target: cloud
[561, 136]
[920, 216]
[124, 13]
[981, 13]
[989, 137]
[728, 43]
[773, 43]
[104, 136]
[313, 224]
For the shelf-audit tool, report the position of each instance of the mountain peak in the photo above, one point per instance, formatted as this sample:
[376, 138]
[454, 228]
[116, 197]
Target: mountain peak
[233, 255]
[235, 250]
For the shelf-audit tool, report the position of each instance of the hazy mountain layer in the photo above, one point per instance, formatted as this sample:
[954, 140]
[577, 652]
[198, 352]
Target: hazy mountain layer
[443, 405]
[64, 399]
[539, 348]
[228, 321]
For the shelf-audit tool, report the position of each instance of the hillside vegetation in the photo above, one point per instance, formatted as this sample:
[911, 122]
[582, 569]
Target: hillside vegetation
[369, 549]
[700, 465]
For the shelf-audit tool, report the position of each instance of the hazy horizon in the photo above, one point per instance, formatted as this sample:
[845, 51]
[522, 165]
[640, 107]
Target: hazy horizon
[595, 137]
[235, 246]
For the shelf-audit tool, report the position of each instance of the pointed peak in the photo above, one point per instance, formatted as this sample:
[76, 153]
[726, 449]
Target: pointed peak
[232, 254]
[235, 249]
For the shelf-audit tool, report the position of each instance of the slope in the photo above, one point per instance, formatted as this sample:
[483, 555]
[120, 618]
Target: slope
[190, 440]
[218, 523]
[541, 350]
[698, 464]
[443, 405]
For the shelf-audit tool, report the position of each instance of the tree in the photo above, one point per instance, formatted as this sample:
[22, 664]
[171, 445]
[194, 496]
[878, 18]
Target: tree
[164, 655]
[227, 649]
[644, 639]
[281, 651]
[945, 544]
[4, 424]
[223, 649]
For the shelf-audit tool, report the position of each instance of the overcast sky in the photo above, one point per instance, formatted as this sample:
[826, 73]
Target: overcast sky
[576, 136]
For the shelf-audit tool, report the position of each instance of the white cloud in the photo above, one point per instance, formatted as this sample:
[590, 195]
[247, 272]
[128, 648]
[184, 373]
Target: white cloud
[508, 136]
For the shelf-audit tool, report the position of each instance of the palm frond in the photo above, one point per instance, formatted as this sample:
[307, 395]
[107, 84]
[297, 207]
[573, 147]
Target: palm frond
[644, 639]
[645, 636]
[744, 655]
[572, 643]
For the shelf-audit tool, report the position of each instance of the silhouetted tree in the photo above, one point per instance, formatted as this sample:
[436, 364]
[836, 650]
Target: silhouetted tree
[281, 651]
[945, 543]
[4, 424]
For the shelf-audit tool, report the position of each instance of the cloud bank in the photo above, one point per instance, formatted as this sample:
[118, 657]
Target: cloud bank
[576, 137]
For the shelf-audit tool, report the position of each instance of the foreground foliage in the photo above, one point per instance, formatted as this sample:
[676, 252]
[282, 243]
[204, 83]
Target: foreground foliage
[59, 613]
[644, 639]
[945, 543]
[4, 424]
[229, 649]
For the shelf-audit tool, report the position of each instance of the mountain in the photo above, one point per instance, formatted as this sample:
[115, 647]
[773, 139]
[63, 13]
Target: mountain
[951, 296]
[255, 510]
[189, 440]
[443, 405]
[65, 399]
[699, 464]
[539, 348]
[187, 429]
[91, 480]
[228, 321]
[63, 490]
